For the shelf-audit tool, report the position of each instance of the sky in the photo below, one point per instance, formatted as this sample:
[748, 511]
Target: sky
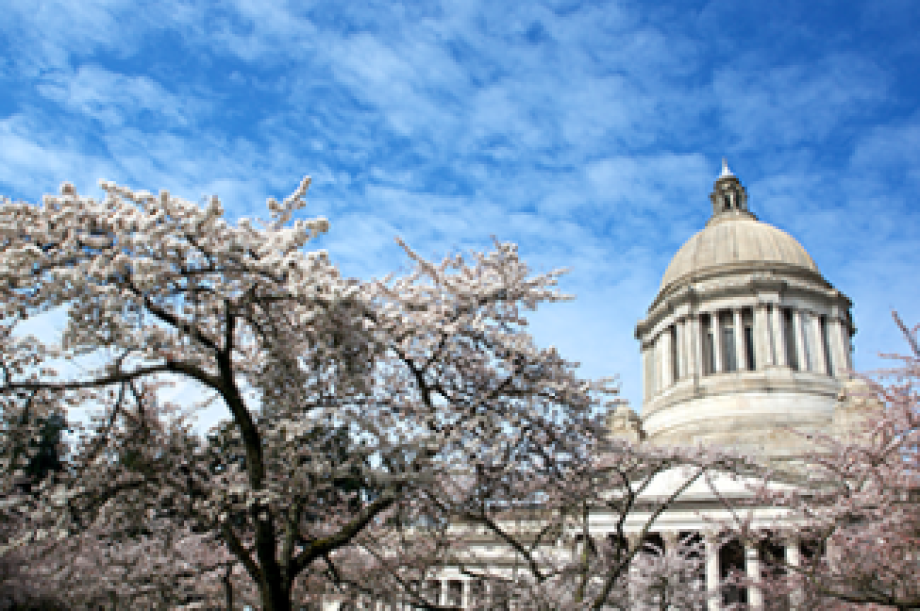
[589, 133]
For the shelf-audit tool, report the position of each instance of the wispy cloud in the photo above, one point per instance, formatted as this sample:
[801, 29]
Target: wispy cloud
[113, 99]
[797, 104]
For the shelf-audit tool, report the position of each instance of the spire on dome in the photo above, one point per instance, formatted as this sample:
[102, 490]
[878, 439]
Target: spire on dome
[729, 197]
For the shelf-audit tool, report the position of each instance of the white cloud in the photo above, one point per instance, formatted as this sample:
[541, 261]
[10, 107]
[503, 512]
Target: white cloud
[35, 160]
[113, 98]
[47, 35]
[795, 104]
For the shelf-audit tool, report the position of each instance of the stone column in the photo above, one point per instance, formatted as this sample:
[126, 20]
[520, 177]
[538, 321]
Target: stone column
[740, 351]
[667, 369]
[752, 568]
[646, 373]
[847, 353]
[763, 346]
[713, 576]
[779, 337]
[820, 360]
[445, 593]
[839, 340]
[716, 341]
[794, 561]
[797, 328]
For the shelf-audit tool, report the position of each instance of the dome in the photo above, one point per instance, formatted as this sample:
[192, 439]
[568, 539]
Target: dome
[736, 242]
[745, 339]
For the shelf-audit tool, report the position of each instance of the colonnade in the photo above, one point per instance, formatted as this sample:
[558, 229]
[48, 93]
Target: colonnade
[467, 593]
[744, 338]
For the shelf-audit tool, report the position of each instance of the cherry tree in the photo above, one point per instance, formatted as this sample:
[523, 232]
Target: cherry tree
[391, 386]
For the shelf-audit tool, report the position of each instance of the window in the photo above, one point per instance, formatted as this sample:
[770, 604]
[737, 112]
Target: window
[789, 337]
[828, 362]
[431, 591]
[455, 593]
[709, 357]
[477, 594]
[675, 355]
[747, 321]
[729, 358]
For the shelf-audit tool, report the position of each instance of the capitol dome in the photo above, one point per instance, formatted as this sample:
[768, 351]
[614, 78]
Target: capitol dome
[736, 241]
[745, 339]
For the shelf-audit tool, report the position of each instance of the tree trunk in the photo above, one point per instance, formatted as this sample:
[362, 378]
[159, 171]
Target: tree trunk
[275, 596]
[228, 587]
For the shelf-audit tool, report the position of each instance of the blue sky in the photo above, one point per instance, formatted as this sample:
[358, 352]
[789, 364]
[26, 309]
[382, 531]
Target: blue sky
[587, 132]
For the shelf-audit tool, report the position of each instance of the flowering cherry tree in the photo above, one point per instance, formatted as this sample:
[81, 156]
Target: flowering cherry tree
[351, 405]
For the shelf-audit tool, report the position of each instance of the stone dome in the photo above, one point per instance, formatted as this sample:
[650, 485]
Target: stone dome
[745, 340]
[739, 242]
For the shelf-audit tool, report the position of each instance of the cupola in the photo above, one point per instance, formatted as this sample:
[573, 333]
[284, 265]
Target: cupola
[728, 196]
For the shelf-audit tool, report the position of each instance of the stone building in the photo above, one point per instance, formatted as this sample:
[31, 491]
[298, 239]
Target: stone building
[744, 341]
